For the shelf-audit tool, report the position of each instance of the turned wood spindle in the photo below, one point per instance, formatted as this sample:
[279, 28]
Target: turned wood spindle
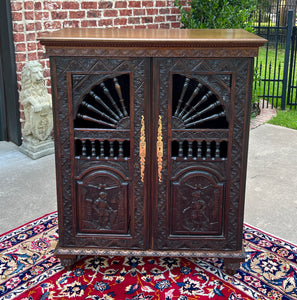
[199, 149]
[107, 93]
[93, 148]
[101, 149]
[100, 101]
[119, 92]
[217, 154]
[194, 108]
[180, 100]
[180, 149]
[98, 112]
[111, 151]
[187, 105]
[208, 149]
[121, 149]
[190, 152]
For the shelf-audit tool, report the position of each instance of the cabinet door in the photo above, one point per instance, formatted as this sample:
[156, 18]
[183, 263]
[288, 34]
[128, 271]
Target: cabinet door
[198, 198]
[103, 199]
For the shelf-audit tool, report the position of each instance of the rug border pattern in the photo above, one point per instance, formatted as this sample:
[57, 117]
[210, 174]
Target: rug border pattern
[210, 265]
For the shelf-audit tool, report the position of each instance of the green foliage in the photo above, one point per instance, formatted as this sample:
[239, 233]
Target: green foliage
[285, 118]
[217, 13]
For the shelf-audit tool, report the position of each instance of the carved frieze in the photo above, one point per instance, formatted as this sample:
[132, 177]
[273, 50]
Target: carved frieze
[154, 52]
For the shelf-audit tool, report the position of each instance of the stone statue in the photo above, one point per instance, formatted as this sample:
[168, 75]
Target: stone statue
[37, 103]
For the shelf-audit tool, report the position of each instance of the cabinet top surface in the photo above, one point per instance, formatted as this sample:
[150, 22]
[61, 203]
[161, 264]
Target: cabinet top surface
[90, 37]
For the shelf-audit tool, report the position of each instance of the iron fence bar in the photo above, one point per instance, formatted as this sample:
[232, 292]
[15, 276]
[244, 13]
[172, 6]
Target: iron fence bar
[289, 97]
[294, 69]
[293, 72]
[287, 55]
[266, 61]
[275, 57]
[268, 86]
[278, 81]
[257, 58]
[279, 78]
[291, 85]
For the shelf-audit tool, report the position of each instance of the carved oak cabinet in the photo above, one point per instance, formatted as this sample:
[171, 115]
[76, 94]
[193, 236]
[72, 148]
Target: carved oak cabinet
[151, 136]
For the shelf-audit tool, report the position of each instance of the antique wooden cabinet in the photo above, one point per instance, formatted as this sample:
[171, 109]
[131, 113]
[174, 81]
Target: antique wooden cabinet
[151, 135]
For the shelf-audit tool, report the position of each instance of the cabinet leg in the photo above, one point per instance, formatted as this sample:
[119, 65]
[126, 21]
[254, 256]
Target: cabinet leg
[232, 264]
[67, 261]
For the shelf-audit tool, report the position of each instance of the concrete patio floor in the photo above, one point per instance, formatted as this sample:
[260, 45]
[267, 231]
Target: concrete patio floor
[28, 190]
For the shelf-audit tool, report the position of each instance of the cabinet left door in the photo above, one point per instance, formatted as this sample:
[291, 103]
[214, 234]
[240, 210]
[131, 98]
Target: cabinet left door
[100, 135]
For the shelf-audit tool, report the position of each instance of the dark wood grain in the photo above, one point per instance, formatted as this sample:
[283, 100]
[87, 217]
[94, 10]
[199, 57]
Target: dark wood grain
[152, 37]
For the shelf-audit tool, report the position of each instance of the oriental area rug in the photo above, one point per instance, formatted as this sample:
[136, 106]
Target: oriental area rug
[29, 270]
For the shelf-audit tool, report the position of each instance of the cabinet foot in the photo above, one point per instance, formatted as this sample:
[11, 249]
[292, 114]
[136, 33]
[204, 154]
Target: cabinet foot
[232, 264]
[67, 261]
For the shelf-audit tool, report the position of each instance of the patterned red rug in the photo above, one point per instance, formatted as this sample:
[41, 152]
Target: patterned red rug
[29, 270]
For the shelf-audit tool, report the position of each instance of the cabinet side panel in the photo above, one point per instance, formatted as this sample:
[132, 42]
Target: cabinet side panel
[62, 149]
[242, 111]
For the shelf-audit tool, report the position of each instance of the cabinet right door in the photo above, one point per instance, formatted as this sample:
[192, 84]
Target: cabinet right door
[201, 132]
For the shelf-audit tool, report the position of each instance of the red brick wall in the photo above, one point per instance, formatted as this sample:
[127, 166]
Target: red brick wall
[30, 18]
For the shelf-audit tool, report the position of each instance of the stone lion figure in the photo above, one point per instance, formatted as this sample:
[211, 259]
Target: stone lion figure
[37, 103]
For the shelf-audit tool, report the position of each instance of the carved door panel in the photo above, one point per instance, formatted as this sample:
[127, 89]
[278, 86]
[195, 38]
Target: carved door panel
[107, 99]
[191, 202]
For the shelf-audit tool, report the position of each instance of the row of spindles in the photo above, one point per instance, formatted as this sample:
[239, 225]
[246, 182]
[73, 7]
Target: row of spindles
[102, 149]
[199, 149]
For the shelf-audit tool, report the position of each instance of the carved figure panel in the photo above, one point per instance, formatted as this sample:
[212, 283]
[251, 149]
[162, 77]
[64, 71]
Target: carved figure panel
[197, 204]
[103, 201]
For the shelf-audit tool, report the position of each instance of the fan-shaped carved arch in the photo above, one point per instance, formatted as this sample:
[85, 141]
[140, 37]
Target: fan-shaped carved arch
[195, 106]
[106, 105]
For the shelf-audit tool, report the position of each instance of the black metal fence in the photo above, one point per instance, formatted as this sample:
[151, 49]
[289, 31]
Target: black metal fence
[292, 83]
[276, 64]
